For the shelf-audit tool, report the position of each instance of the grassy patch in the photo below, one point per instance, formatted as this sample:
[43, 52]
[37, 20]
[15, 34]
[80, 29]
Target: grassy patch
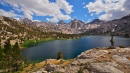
[30, 43]
[37, 66]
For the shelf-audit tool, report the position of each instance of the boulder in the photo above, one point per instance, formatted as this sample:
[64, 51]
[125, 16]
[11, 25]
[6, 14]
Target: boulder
[103, 68]
[50, 68]
[121, 59]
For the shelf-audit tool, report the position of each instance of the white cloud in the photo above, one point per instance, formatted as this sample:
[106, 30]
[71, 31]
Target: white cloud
[88, 20]
[92, 14]
[63, 17]
[48, 19]
[7, 13]
[65, 6]
[83, 3]
[36, 21]
[52, 19]
[42, 8]
[113, 9]
[127, 5]
[97, 6]
[84, 7]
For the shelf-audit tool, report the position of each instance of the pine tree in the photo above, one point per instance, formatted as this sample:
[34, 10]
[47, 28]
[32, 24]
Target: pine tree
[26, 61]
[21, 66]
[8, 54]
[112, 42]
[0, 42]
[17, 55]
[3, 62]
[60, 55]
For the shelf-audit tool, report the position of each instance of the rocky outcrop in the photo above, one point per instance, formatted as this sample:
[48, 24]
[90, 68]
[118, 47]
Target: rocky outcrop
[95, 27]
[97, 60]
[61, 22]
[76, 24]
[106, 67]
[120, 26]
[96, 21]
[26, 21]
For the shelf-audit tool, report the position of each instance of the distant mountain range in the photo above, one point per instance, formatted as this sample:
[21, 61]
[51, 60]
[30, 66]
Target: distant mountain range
[19, 31]
[120, 26]
[73, 27]
[96, 21]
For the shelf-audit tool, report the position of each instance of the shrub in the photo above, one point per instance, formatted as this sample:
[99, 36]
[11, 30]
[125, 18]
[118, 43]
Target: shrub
[121, 46]
[111, 47]
[60, 55]
[21, 66]
[26, 61]
[80, 70]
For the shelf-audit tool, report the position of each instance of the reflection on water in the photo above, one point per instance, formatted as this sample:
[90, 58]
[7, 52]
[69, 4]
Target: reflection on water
[70, 48]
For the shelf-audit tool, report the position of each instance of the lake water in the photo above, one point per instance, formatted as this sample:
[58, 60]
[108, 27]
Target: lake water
[70, 48]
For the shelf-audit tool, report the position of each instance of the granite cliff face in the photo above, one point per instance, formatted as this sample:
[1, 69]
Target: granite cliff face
[120, 26]
[76, 24]
[74, 27]
[96, 21]
[61, 22]
[20, 31]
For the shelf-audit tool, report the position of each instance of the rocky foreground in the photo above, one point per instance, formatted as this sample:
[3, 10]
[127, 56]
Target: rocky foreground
[97, 60]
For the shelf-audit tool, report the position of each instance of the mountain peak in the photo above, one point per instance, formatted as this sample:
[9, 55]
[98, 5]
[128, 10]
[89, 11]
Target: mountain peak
[61, 22]
[76, 23]
[126, 17]
[26, 20]
[96, 21]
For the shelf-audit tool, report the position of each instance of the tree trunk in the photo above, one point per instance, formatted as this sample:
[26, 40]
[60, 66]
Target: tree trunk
[9, 66]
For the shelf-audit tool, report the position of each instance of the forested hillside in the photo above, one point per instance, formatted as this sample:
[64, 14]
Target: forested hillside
[18, 31]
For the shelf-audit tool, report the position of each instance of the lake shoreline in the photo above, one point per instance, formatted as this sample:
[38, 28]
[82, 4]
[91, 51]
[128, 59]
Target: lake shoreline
[100, 56]
[69, 48]
[41, 41]
[52, 39]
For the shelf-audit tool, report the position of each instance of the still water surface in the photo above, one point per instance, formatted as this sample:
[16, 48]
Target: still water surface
[70, 48]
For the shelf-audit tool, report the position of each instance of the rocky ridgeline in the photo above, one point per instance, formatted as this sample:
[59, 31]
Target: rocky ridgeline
[97, 60]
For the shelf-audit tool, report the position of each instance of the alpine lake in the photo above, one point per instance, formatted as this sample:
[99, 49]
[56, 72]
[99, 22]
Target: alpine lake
[70, 48]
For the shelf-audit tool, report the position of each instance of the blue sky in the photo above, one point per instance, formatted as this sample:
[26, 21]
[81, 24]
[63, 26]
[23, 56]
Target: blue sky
[67, 10]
